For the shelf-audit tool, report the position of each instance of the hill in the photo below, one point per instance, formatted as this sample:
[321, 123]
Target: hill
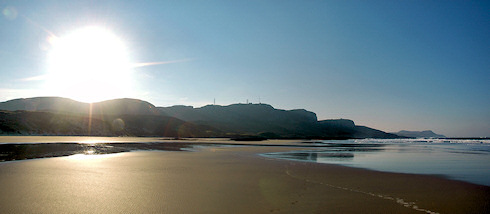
[65, 105]
[132, 117]
[419, 134]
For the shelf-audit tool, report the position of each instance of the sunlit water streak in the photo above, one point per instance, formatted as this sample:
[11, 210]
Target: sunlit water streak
[466, 160]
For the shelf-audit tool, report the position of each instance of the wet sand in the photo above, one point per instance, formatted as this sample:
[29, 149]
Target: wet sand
[222, 180]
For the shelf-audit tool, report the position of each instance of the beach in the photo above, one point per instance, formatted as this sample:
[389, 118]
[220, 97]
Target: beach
[223, 179]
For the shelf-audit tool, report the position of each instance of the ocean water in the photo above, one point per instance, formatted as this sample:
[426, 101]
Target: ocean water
[465, 160]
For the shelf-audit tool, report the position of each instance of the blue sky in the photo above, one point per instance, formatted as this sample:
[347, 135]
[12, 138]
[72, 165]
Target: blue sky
[390, 65]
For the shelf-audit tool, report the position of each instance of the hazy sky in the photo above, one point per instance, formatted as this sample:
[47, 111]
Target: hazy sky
[390, 65]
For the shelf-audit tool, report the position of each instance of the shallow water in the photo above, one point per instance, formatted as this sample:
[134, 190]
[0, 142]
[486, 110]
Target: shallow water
[466, 160]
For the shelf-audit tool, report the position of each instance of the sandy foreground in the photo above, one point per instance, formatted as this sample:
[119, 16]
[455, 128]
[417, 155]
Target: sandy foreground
[222, 180]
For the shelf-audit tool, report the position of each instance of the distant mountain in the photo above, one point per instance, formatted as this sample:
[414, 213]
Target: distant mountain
[132, 117]
[419, 134]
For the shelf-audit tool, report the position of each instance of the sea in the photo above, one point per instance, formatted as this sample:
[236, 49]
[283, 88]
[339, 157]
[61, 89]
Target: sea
[457, 159]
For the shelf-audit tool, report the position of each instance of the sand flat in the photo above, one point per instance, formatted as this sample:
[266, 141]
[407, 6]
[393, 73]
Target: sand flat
[222, 180]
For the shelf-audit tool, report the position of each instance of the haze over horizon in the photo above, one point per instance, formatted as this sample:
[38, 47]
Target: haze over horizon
[390, 65]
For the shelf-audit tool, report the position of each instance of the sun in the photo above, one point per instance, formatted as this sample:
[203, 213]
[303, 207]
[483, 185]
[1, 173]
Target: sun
[89, 64]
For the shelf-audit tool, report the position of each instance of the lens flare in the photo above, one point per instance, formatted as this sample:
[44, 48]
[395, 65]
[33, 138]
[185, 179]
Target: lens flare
[10, 13]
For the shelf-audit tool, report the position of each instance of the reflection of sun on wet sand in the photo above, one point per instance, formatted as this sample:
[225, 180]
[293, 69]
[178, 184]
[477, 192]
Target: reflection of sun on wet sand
[222, 180]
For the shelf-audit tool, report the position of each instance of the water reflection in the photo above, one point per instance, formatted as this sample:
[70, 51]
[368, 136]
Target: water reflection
[468, 162]
[314, 156]
[10, 152]
[332, 152]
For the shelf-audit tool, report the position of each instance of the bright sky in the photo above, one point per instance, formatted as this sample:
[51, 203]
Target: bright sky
[390, 65]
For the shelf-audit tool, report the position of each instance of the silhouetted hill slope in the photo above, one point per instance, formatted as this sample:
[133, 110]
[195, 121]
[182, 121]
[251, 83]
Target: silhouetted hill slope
[366, 132]
[54, 104]
[65, 105]
[124, 106]
[48, 123]
[419, 134]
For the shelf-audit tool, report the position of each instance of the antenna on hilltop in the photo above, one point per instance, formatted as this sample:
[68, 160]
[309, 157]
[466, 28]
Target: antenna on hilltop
[214, 101]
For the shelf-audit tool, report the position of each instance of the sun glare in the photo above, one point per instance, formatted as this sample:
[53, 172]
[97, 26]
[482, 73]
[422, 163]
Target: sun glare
[90, 64]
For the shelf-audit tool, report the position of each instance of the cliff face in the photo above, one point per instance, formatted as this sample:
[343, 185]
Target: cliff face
[340, 123]
[132, 117]
[251, 119]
